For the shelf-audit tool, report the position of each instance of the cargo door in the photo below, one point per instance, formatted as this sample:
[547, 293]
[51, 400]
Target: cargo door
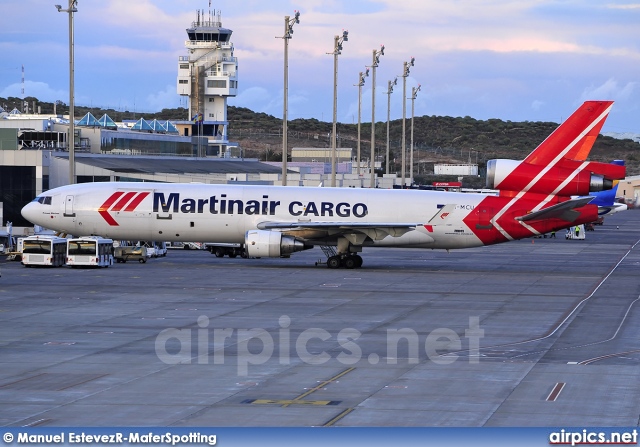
[483, 217]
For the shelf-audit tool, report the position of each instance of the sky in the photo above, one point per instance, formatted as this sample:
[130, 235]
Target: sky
[516, 60]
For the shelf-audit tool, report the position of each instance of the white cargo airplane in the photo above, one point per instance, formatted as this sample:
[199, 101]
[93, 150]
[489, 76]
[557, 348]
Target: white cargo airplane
[274, 221]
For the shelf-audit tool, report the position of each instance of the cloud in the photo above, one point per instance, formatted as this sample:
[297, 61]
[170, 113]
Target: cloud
[258, 99]
[536, 105]
[40, 90]
[164, 99]
[609, 90]
[629, 6]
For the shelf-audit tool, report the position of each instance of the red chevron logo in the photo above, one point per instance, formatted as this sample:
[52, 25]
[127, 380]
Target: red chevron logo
[120, 201]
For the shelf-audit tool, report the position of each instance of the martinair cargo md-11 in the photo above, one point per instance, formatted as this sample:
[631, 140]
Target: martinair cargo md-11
[536, 195]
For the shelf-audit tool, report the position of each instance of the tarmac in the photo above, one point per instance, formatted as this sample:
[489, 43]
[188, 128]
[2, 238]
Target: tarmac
[538, 332]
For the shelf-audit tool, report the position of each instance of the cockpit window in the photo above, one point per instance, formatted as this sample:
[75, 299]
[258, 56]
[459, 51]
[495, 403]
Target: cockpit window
[45, 200]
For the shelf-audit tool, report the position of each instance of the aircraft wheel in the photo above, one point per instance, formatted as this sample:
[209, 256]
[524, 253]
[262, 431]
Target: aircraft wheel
[358, 260]
[350, 262]
[334, 262]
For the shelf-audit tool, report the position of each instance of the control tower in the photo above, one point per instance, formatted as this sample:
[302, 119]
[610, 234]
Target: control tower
[208, 76]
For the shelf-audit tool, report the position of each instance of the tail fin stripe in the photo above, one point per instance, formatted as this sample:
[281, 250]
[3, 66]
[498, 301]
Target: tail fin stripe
[562, 185]
[584, 133]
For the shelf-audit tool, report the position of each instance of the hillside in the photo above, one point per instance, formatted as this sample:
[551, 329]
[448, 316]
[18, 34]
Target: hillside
[436, 138]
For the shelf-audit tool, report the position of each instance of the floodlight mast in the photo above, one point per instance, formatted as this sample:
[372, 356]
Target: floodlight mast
[389, 91]
[374, 65]
[337, 49]
[405, 74]
[360, 83]
[288, 31]
[71, 137]
[414, 94]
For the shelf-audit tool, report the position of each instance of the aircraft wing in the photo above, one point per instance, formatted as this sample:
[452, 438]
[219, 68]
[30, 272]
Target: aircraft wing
[612, 209]
[374, 230]
[563, 210]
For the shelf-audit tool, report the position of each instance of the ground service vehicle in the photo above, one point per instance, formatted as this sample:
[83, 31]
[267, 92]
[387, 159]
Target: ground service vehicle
[44, 250]
[90, 251]
[124, 254]
[577, 232]
[155, 249]
[221, 249]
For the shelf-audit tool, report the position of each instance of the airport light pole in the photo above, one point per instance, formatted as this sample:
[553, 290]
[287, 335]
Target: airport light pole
[414, 93]
[405, 74]
[71, 139]
[337, 50]
[360, 83]
[374, 65]
[288, 31]
[389, 91]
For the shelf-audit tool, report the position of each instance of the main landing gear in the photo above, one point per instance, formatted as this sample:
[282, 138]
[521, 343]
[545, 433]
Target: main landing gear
[350, 261]
[343, 255]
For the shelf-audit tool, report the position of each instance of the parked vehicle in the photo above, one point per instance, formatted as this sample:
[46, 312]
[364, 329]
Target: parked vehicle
[90, 251]
[221, 250]
[124, 254]
[576, 232]
[44, 250]
[155, 249]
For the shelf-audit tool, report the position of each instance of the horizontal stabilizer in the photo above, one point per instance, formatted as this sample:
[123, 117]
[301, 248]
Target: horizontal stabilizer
[565, 211]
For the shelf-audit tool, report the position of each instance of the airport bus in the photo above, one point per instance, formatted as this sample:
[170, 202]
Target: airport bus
[91, 251]
[44, 250]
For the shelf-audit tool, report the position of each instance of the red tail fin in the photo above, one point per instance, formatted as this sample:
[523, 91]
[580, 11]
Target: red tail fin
[574, 138]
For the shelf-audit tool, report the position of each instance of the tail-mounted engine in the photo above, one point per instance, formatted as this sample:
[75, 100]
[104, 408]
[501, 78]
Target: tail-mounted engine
[567, 178]
[272, 244]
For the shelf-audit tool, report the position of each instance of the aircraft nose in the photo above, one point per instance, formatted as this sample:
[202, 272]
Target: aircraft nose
[30, 212]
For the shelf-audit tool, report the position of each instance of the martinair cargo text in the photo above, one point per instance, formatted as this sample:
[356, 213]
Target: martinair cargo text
[547, 191]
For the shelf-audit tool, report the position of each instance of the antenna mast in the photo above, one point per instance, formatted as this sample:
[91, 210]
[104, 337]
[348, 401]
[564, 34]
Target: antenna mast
[22, 91]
